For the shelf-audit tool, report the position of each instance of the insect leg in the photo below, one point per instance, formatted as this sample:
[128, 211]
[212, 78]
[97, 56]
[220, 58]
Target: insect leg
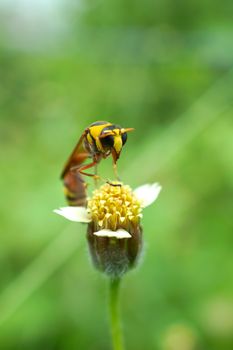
[96, 177]
[84, 167]
[115, 171]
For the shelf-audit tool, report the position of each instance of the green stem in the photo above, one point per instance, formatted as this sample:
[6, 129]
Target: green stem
[117, 339]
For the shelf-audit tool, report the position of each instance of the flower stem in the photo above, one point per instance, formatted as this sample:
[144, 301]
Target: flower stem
[117, 339]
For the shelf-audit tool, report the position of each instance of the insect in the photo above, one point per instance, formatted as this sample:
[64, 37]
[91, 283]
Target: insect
[100, 140]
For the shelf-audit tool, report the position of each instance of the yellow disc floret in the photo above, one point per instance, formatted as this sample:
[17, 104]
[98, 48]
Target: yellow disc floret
[114, 206]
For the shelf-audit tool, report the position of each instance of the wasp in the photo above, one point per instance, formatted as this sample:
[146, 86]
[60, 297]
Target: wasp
[98, 141]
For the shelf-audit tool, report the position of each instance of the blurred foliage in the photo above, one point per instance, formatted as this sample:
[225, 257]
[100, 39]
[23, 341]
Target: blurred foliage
[164, 68]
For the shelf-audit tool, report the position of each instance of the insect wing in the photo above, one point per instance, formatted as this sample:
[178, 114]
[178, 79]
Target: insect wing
[77, 157]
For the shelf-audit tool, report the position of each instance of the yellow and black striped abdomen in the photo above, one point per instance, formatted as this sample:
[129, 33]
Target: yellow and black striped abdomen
[75, 189]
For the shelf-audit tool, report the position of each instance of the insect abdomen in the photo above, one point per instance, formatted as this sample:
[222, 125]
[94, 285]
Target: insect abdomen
[75, 189]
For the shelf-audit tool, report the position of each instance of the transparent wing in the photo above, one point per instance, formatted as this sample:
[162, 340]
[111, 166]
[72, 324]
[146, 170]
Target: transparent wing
[77, 157]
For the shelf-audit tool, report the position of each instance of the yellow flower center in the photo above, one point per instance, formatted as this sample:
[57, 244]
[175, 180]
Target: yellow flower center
[114, 206]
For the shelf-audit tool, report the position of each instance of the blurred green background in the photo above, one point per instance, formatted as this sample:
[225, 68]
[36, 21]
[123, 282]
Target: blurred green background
[165, 68]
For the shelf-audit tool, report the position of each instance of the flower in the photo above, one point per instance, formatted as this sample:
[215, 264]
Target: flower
[113, 205]
[114, 232]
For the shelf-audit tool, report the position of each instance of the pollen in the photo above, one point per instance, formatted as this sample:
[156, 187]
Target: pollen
[114, 206]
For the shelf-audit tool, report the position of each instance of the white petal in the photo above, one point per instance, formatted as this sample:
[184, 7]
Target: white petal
[147, 194]
[78, 214]
[117, 234]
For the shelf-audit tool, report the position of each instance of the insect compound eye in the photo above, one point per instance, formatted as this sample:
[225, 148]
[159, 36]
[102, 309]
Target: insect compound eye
[124, 138]
[107, 141]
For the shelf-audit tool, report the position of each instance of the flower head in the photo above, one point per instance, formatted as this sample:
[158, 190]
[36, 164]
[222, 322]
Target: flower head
[114, 232]
[114, 206]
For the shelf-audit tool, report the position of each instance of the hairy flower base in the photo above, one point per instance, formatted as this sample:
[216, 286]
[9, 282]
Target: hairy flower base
[114, 256]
